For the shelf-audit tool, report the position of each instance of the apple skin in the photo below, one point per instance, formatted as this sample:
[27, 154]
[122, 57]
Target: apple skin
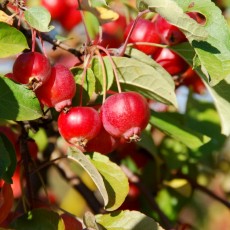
[70, 222]
[55, 7]
[144, 31]
[170, 61]
[170, 34]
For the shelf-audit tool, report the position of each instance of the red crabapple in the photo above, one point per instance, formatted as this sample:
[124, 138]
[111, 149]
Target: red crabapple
[170, 34]
[103, 143]
[32, 68]
[59, 89]
[79, 125]
[170, 61]
[125, 115]
[55, 7]
[70, 222]
[144, 31]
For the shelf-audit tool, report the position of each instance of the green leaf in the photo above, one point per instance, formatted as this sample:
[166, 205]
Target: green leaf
[97, 70]
[115, 180]
[4, 157]
[39, 18]
[76, 155]
[7, 154]
[214, 53]
[173, 128]
[88, 86]
[220, 92]
[38, 219]
[144, 79]
[17, 102]
[90, 221]
[126, 220]
[173, 13]
[142, 57]
[102, 14]
[147, 143]
[93, 28]
[12, 41]
[202, 117]
[174, 153]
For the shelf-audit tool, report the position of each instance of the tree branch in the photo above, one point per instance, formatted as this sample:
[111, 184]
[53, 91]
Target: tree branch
[136, 180]
[203, 189]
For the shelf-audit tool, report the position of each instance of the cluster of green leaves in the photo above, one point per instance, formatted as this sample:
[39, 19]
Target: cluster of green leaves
[189, 136]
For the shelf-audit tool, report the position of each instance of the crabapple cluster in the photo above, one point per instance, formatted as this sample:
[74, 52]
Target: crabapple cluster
[54, 86]
[122, 115]
[162, 32]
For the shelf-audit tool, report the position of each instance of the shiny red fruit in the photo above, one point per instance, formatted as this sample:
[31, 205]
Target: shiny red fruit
[55, 7]
[103, 143]
[192, 79]
[109, 41]
[33, 68]
[171, 61]
[116, 27]
[125, 115]
[144, 31]
[170, 35]
[79, 125]
[71, 16]
[59, 89]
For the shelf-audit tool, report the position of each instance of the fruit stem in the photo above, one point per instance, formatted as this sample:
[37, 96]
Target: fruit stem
[123, 48]
[113, 65]
[33, 31]
[104, 74]
[148, 44]
[88, 58]
[155, 18]
[43, 47]
[84, 23]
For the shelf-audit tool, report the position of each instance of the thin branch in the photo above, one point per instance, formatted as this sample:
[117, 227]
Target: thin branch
[24, 148]
[203, 189]
[136, 180]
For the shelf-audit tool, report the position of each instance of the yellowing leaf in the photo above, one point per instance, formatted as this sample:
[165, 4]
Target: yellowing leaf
[6, 18]
[106, 14]
[103, 15]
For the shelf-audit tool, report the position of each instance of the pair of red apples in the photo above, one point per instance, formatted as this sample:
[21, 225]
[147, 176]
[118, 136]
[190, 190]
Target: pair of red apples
[122, 115]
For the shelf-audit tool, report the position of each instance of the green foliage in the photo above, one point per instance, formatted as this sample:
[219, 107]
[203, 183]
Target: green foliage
[18, 102]
[144, 79]
[97, 70]
[219, 93]
[76, 155]
[38, 18]
[172, 127]
[88, 86]
[125, 220]
[8, 160]
[174, 14]
[41, 218]
[116, 182]
[12, 41]
[214, 53]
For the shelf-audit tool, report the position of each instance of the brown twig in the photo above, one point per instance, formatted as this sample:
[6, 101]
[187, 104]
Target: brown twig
[203, 189]
[136, 180]
[25, 154]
